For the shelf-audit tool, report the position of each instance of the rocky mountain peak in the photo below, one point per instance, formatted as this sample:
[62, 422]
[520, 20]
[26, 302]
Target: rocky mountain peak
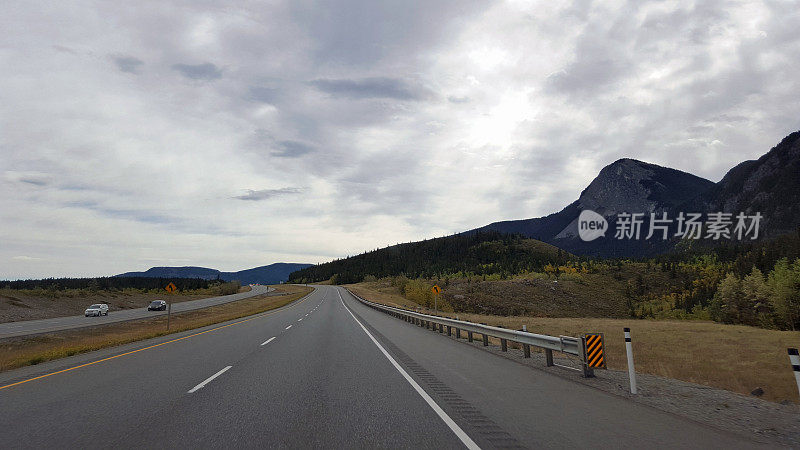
[629, 185]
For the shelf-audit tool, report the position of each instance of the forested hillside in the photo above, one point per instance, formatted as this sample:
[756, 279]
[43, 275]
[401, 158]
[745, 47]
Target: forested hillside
[480, 253]
[109, 283]
[753, 283]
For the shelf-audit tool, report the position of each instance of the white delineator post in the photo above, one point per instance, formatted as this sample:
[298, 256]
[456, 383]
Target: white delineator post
[631, 370]
[794, 358]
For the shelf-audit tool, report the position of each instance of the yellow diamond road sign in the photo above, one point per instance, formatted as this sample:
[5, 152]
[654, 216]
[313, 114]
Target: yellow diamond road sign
[436, 289]
[171, 288]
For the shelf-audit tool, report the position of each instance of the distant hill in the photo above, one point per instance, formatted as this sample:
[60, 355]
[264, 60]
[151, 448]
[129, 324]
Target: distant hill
[271, 274]
[481, 253]
[175, 272]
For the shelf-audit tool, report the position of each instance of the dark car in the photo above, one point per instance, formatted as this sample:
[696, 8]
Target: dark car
[157, 305]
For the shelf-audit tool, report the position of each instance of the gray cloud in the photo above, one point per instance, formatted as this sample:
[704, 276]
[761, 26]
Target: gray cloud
[263, 94]
[587, 75]
[356, 33]
[33, 181]
[292, 149]
[64, 49]
[127, 64]
[266, 194]
[127, 214]
[373, 87]
[205, 71]
[455, 99]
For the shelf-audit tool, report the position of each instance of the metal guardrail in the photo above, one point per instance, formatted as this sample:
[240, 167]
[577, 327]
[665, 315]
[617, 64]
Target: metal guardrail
[565, 344]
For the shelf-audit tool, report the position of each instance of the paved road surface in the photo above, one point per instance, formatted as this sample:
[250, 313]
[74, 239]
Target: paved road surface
[10, 329]
[327, 372]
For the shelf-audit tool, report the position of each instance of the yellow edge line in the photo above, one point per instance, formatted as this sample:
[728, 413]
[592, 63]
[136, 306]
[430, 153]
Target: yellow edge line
[153, 346]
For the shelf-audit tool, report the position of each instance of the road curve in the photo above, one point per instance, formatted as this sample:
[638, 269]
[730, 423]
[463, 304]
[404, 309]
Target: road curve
[23, 328]
[325, 371]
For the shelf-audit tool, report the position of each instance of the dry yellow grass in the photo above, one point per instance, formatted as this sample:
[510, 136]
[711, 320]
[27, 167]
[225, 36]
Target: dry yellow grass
[732, 357]
[385, 296]
[23, 351]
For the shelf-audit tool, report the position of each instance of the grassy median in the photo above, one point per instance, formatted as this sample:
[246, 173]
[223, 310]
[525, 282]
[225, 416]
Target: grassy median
[733, 357]
[28, 350]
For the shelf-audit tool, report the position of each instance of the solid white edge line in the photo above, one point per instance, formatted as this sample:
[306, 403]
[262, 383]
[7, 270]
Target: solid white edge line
[465, 439]
[268, 340]
[208, 380]
[288, 327]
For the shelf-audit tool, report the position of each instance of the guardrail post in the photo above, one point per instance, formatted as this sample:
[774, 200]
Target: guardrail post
[485, 340]
[631, 370]
[588, 372]
[527, 349]
[449, 330]
[504, 345]
[441, 328]
[458, 333]
[794, 358]
[548, 356]
[469, 335]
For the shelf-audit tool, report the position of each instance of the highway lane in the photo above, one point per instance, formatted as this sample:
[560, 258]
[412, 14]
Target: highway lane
[23, 328]
[310, 375]
[320, 381]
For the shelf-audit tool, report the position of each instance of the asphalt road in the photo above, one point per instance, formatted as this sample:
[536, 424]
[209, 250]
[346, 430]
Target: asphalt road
[325, 371]
[23, 328]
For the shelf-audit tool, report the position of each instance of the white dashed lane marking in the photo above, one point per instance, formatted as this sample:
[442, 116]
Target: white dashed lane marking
[209, 379]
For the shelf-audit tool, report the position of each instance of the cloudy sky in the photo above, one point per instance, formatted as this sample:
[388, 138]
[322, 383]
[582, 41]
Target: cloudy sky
[236, 134]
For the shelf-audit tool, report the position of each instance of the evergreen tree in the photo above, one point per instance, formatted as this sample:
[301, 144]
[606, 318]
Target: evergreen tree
[784, 281]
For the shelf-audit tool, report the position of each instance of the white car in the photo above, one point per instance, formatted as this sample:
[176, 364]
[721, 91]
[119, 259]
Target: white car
[98, 309]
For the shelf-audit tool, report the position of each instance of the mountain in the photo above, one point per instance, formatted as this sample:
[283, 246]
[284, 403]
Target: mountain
[627, 185]
[271, 274]
[175, 272]
[769, 185]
